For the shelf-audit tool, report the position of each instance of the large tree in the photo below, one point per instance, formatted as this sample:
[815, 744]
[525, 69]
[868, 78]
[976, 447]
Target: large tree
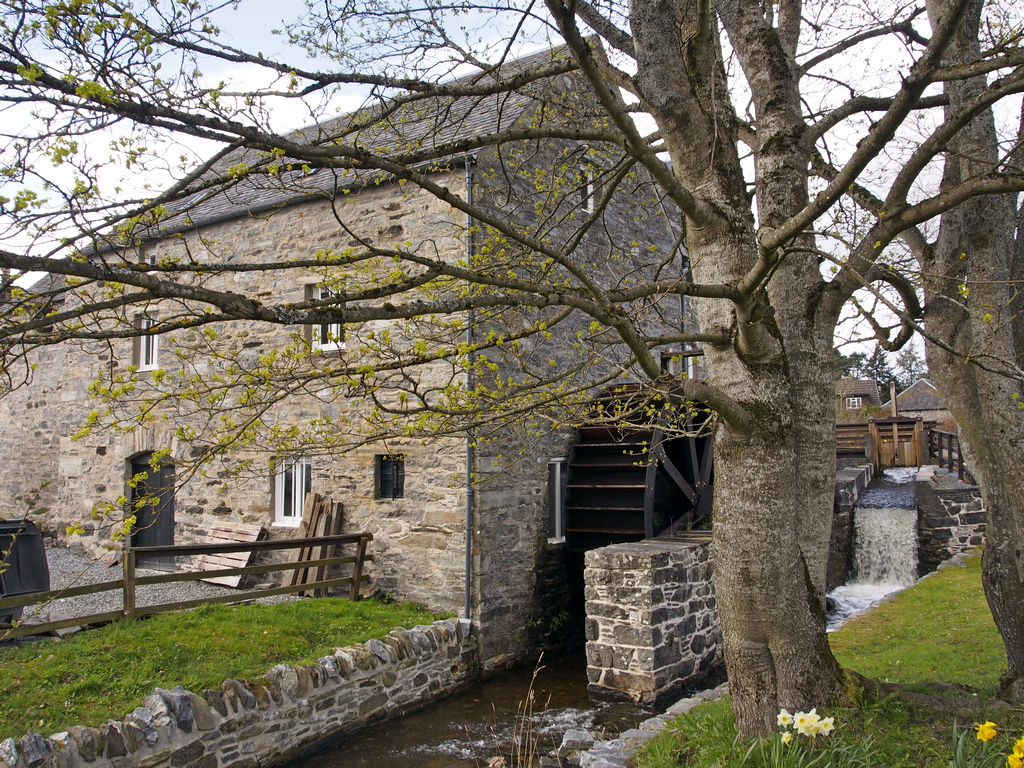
[971, 275]
[763, 135]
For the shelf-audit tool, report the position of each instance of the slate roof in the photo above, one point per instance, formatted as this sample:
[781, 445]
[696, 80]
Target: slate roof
[866, 389]
[922, 395]
[429, 123]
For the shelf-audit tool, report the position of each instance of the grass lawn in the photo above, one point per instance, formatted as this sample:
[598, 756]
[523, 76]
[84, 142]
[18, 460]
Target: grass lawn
[936, 641]
[103, 674]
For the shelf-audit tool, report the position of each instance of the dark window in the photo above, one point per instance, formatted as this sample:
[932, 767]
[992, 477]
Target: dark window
[390, 473]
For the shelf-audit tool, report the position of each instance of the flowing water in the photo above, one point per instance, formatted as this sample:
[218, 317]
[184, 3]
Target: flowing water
[468, 728]
[884, 546]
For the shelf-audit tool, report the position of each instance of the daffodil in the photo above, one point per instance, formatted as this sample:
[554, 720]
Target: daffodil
[788, 737]
[1018, 747]
[784, 719]
[986, 731]
[1013, 761]
[805, 722]
[826, 725]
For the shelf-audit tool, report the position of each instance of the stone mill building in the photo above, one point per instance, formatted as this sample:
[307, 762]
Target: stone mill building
[470, 524]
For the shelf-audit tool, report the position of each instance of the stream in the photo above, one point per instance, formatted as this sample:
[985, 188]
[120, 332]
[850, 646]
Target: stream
[469, 727]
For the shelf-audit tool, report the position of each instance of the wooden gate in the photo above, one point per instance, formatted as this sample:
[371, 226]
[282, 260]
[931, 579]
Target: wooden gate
[898, 442]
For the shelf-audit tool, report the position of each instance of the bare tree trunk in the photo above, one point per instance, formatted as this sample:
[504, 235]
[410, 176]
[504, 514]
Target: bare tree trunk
[776, 650]
[971, 306]
[774, 473]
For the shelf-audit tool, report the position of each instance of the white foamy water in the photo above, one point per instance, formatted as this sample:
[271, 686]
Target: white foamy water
[851, 599]
[885, 546]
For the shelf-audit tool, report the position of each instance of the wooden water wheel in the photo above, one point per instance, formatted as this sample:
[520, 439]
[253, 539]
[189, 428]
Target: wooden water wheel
[627, 483]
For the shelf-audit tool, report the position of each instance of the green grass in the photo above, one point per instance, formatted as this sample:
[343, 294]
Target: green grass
[936, 640]
[102, 674]
[941, 630]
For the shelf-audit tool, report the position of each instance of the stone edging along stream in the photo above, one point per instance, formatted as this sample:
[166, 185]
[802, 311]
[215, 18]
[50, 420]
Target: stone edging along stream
[250, 724]
[580, 749]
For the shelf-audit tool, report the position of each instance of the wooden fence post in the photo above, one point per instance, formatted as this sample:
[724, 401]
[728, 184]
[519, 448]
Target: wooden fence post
[357, 568]
[129, 583]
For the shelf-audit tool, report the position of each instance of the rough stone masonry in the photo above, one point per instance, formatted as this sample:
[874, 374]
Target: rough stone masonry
[652, 619]
[249, 724]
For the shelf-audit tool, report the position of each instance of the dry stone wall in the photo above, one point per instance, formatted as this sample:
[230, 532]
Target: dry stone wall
[652, 619]
[951, 518]
[247, 724]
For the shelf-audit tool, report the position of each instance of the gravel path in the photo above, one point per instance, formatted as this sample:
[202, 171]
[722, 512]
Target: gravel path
[67, 570]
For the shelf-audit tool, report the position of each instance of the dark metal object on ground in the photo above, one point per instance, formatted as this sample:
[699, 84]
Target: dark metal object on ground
[23, 567]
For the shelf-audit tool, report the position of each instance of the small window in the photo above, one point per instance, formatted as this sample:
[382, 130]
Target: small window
[292, 481]
[390, 472]
[557, 480]
[325, 336]
[587, 189]
[146, 345]
[854, 402]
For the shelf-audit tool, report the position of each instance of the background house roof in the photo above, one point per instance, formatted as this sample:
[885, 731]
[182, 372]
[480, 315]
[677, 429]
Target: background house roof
[866, 389]
[922, 395]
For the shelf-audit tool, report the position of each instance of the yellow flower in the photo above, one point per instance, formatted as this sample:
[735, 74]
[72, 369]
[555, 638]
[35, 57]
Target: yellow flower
[1013, 761]
[784, 719]
[1018, 747]
[986, 731]
[788, 737]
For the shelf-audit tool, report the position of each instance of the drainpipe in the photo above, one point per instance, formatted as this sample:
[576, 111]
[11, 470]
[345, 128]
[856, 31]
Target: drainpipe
[470, 160]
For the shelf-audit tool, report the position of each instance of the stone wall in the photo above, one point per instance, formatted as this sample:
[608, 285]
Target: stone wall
[246, 724]
[652, 620]
[419, 540]
[951, 518]
[850, 483]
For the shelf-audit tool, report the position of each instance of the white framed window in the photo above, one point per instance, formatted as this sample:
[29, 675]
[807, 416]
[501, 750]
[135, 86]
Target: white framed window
[558, 477]
[854, 402]
[292, 481]
[325, 336]
[146, 346]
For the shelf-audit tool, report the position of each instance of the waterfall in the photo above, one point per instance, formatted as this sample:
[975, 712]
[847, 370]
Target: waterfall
[884, 546]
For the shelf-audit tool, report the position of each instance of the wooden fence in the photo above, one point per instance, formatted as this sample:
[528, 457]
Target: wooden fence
[944, 447]
[130, 581]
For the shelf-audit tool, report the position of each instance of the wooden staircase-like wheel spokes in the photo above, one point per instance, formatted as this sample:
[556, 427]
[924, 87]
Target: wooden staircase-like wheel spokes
[640, 470]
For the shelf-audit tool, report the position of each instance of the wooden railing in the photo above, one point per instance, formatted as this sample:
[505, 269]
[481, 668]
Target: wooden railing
[944, 447]
[130, 581]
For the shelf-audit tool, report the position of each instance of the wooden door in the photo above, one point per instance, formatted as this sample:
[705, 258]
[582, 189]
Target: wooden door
[152, 500]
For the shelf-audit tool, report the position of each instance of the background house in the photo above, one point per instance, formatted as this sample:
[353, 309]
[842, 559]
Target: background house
[855, 398]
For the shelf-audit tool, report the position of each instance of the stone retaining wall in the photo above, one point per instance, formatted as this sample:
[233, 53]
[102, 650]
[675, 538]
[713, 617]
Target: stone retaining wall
[652, 619]
[951, 518]
[246, 724]
[850, 483]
